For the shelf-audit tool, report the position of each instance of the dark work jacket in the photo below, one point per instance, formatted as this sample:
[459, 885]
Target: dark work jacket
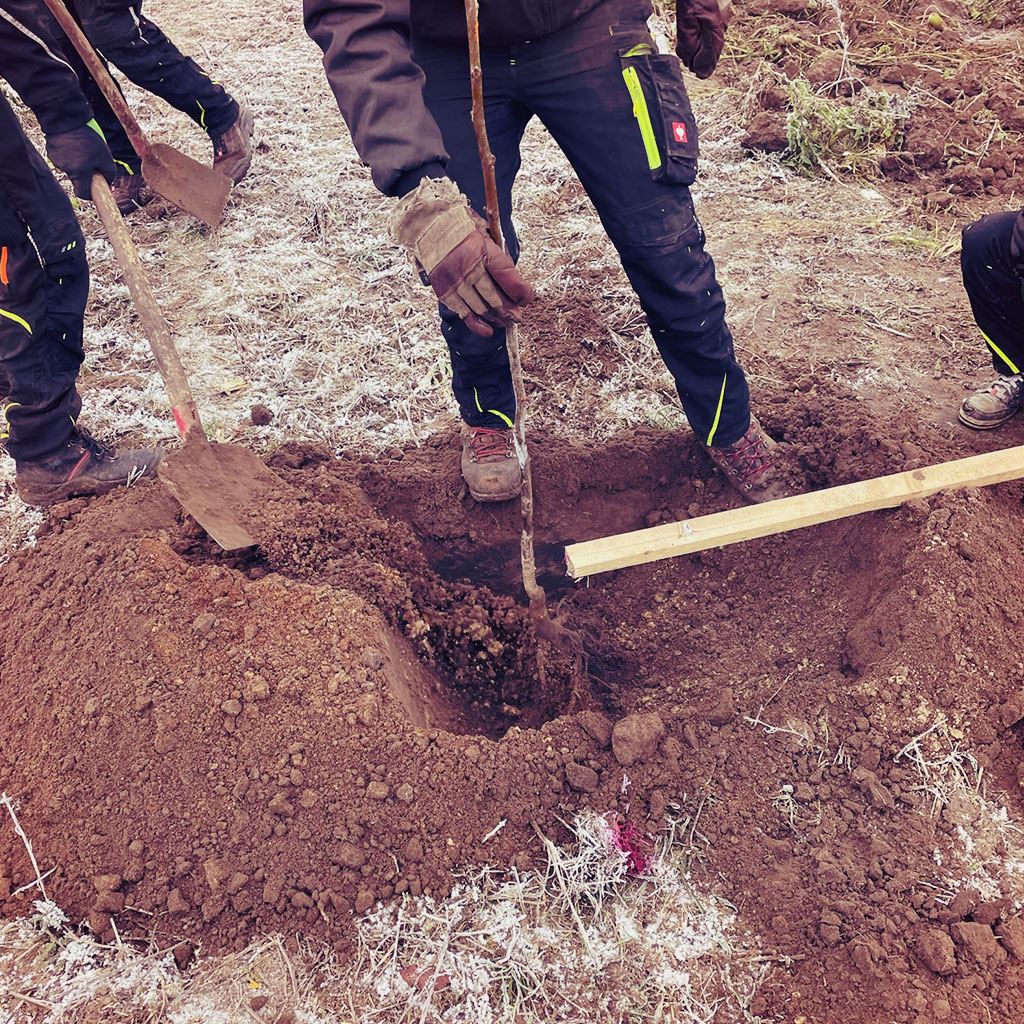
[501, 21]
[367, 47]
[1017, 244]
[31, 63]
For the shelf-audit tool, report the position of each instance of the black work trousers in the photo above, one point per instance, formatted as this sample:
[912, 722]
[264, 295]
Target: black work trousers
[994, 289]
[44, 284]
[138, 48]
[620, 113]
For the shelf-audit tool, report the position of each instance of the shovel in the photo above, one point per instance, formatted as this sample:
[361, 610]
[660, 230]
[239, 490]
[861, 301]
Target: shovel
[188, 184]
[212, 482]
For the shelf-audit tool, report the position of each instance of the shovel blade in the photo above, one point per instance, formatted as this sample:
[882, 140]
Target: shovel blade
[215, 483]
[188, 184]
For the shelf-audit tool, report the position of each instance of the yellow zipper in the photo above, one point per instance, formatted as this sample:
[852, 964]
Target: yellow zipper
[643, 117]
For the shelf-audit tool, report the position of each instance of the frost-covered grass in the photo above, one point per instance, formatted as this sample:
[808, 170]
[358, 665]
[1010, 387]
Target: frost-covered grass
[586, 939]
[987, 849]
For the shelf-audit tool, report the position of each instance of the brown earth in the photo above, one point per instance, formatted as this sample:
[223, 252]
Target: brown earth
[206, 748]
[959, 64]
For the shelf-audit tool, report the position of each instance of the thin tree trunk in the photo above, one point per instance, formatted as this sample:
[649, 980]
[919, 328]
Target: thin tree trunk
[538, 599]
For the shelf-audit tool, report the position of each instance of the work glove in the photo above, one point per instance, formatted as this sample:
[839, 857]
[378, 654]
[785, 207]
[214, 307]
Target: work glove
[81, 153]
[700, 33]
[450, 244]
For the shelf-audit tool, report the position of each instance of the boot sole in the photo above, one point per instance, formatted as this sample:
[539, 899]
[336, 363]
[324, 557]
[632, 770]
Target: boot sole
[43, 496]
[966, 420]
[503, 496]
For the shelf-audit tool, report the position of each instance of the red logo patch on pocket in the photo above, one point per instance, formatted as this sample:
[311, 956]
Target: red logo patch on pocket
[679, 131]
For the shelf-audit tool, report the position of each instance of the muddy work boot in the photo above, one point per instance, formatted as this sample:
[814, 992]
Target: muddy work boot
[131, 192]
[82, 466]
[992, 406]
[747, 465]
[232, 149]
[490, 466]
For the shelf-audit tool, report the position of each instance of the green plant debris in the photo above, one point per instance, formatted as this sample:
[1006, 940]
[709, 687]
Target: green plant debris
[848, 135]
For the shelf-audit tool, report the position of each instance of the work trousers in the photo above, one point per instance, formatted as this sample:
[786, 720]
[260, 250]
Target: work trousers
[994, 289]
[138, 48]
[44, 284]
[620, 113]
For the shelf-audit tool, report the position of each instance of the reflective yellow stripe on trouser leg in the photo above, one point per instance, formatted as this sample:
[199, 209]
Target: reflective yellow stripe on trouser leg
[718, 412]
[999, 352]
[493, 412]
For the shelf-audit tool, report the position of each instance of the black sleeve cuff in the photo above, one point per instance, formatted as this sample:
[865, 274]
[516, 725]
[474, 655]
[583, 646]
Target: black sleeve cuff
[408, 180]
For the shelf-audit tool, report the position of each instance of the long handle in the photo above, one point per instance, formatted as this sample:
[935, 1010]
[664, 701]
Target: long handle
[153, 322]
[739, 524]
[98, 71]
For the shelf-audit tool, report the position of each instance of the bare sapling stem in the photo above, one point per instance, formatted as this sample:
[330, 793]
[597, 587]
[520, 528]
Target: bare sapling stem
[538, 599]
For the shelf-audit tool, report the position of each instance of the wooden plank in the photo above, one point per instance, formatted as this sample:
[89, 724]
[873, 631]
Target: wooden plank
[751, 521]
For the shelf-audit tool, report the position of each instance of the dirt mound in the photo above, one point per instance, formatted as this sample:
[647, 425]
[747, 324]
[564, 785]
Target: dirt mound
[949, 72]
[207, 748]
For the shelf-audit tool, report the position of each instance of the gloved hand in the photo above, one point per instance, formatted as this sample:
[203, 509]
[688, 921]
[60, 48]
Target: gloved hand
[700, 33]
[81, 153]
[467, 271]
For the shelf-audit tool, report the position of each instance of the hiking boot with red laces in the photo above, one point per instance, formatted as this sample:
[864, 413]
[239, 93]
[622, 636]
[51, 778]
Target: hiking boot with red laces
[490, 465]
[232, 149]
[992, 406]
[747, 465]
[81, 466]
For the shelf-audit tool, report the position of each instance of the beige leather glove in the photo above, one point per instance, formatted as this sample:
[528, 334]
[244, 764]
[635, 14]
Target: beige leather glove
[467, 271]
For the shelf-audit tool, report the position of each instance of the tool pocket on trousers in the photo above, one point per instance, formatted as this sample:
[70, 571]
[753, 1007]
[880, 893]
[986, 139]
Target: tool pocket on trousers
[662, 111]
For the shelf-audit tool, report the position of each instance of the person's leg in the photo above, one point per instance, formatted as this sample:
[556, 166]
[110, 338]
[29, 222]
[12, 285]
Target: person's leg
[117, 139]
[620, 112]
[481, 377]
[138, 47]
[589, 97]
[997, 302]
[44, 283]
[994, 289]
[128, 186]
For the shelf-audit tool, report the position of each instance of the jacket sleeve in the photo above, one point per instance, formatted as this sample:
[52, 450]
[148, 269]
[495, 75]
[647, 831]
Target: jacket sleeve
[378, 87]
[31, 63]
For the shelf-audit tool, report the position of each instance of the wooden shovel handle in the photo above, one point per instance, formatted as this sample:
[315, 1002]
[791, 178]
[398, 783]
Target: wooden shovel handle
[98, 71]
[153, 322]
